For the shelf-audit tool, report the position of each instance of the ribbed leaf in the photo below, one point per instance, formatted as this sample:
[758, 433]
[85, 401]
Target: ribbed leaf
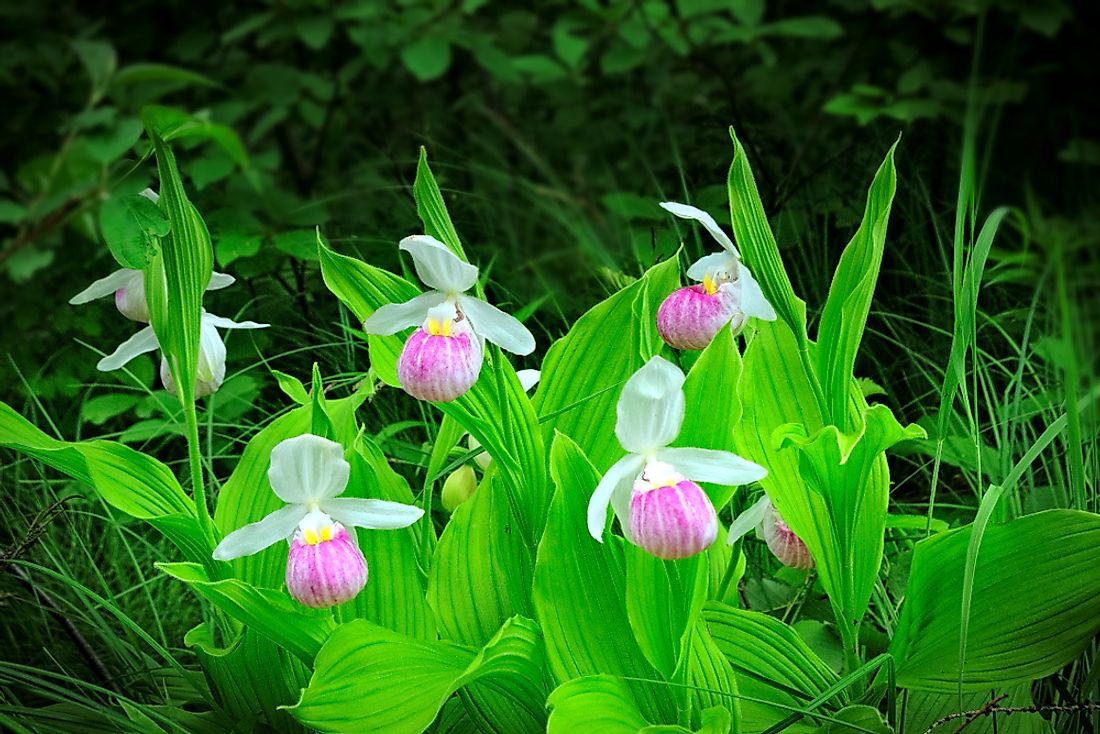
[754, 237]
[368, 678]
[274, 615]
[849, 301]
[663, 599]
[431, 207]
[580, 589]
[1035, 603]
[584, 371]
[713, 682]
[600, 703]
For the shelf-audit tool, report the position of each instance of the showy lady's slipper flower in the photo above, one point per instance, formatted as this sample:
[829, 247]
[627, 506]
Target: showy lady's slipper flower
[653, 488]
[442, 358]
[128, 287]
[728, 294]
[211, 365]
[324, 566]
[780, 539]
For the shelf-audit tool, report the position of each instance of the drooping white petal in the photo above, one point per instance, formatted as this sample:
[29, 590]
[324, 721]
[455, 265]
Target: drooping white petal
[151, 195]
[708, 465]
[528, 379]
[686, 211]
[223, 323]
[612, 489]
[395, 317]
[211, 354]
[651, 407]
[710, 264]
[747, 520]
[140, 343]
[254, 537]
[437, 266]
[219, 281]
[104, 286]
[502, 329]
[371, 514]
[308, 468]
[753, 302]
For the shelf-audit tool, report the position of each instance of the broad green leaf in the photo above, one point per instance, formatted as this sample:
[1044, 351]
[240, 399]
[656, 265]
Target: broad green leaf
[580, 590]
[845, 314]
[596, 703]
[924, 708]
[163, 73]
[713, 684]
[368, 678]
[867, 718]
[100, 61]
[432, 209]
[663, 599]
[253, 677]
[132, 227]
[274, 615]
[584, 371]
[1035, 603]
[772, 664]
[482, 571]
[427, 57]
[754, 237]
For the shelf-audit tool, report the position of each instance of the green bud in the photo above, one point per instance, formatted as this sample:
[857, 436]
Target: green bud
[459, 487]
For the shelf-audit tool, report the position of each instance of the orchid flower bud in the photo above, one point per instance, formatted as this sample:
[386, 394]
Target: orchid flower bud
[459, 487]
[782, 542]
[441, 360]
[325, 567]
[670, 516]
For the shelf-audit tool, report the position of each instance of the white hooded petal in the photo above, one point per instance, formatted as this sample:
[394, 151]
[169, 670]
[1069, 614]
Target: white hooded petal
[223, 323]
[528, 379]
[651, 407]
[613, 489]
[308, 468]
[437, 266]
[219, 281]
[371, 514]
[753, 302]
[395, 317]
[504, 330]
[708, 465]
[686, 211]
[254, 537]
[104, 286]
[711, 264]
[140, 343]
[747, 520]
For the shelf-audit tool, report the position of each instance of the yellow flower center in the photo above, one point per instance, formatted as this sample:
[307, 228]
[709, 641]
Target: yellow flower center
[321, 535]
[439, 328]
[710, 285]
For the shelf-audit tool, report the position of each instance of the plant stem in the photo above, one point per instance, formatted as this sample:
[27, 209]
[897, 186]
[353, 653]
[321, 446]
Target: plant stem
[194, 460]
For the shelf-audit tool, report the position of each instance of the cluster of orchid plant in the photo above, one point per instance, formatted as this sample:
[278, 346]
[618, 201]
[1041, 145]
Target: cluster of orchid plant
[653, 490]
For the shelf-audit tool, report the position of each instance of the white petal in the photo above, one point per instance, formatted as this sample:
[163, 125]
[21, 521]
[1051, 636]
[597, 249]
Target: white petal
[502, 329]
[686, 211]
[254, 537]
[223, 323]
[716, 263]
[104, 286]
[219, 281]
[371, 514]
[651, 407]
[753, 302]
[151, 195]
[308, 468]
[140, 343]
[437, 266]
[211, 354]
[528, 379]
[708, 465]
[613, 488]
[395, 317]
[747, 520]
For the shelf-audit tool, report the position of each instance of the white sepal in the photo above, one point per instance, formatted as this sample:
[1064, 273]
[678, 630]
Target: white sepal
[686, 211]
[651, 407]
[504, 330]
[307, 469]
[438, 267]
[394, 317]
[254, 537]
[710, 465]
[371, 513]
[616, 484]
[140, 343]
[747, 520]
[104, 286]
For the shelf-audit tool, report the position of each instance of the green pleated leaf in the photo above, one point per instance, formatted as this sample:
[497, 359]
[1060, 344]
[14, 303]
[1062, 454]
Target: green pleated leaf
[247, 496]
[663, 599]
[128, 480]
[714, 408]
[772, 664]
[431, 207]
[368, 678]
[584, 371]
[580, 590]
[253, 678]
[1035, 603]
[845, 314]
[754, 238]
[482, 571]
[594, 703]
[714, 686]
[924, 708]
[275, 616]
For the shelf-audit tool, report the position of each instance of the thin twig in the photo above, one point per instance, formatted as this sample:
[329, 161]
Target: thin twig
[990, 709]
